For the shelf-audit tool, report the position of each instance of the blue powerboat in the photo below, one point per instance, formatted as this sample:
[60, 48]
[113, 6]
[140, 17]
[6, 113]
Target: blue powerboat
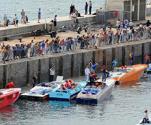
[92, 94]
[65, 92]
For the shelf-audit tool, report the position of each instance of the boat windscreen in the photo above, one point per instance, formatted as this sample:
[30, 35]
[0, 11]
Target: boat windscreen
[62, 91]
[122, 70]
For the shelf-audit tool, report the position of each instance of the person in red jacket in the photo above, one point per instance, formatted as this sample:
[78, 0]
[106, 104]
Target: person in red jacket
[10, 85]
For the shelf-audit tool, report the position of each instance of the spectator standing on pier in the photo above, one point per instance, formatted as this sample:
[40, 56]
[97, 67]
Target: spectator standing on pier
[118, 23]
[110, 35]
[4, 54]
[23, 20]
[86, 8]
[16, 20]
[39, 15]
[131, 24]
[148, 23]
[90, 7]
[5, 20]
[55, 21]
[26, 18]
[72, 9]
[52, 74]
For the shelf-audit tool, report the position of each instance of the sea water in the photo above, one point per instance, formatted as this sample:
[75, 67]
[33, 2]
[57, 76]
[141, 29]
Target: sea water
[49, 8]
[125, 107]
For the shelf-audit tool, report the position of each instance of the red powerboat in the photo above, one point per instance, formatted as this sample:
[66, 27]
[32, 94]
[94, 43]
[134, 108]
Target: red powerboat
[9, 96]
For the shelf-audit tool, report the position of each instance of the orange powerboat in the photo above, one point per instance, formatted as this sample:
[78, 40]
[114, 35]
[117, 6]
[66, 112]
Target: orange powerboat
[128, 74]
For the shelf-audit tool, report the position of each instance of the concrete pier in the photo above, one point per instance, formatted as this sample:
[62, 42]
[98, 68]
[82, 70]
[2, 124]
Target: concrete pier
[70, 64]
[12, 32]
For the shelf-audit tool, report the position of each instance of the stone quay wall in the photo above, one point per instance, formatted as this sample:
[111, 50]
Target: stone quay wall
[70, 64]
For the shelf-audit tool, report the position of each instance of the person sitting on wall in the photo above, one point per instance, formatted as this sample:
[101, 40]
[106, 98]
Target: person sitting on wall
[10, 85]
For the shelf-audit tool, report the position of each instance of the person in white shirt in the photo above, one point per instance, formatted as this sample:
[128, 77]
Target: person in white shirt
[118, 23]
[52, 74]
[131, 24]
[146, 118]
[87, 73]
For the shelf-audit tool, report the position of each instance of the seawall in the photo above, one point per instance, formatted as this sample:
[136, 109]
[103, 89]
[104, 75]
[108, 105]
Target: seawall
[70, 64]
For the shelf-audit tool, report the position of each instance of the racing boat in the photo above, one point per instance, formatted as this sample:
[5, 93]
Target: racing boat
[40, 91]
[9, 96]
[67, 91]
[128, 74]
[96, 92]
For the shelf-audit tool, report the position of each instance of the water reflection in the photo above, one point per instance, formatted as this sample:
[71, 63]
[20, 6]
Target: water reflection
[7, 112]
[58, 105]
[8, 109]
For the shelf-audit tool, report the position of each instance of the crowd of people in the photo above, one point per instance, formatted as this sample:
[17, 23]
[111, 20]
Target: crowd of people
[15, 21]
[106, 36]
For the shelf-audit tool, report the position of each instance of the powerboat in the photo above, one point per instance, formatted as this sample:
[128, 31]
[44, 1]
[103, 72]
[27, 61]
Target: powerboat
[128, 74]
[40, 91]
[96, 92]
[9, 96]
[67, 91]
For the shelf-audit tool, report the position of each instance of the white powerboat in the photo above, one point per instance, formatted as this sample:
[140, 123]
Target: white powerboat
[40, 91]
[96, 93]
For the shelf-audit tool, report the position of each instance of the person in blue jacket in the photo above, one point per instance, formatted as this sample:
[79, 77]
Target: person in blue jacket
[114, 64]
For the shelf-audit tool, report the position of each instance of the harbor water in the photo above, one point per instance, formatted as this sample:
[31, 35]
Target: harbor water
[49, 8]
[125, 107]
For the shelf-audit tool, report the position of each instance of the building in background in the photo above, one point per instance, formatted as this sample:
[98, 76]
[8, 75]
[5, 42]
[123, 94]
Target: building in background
[128, 9]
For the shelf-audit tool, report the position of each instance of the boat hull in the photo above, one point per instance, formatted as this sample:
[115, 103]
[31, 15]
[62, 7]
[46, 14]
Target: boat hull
[9, 97]
[132, 76]
[63, 98]
[27, 96]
